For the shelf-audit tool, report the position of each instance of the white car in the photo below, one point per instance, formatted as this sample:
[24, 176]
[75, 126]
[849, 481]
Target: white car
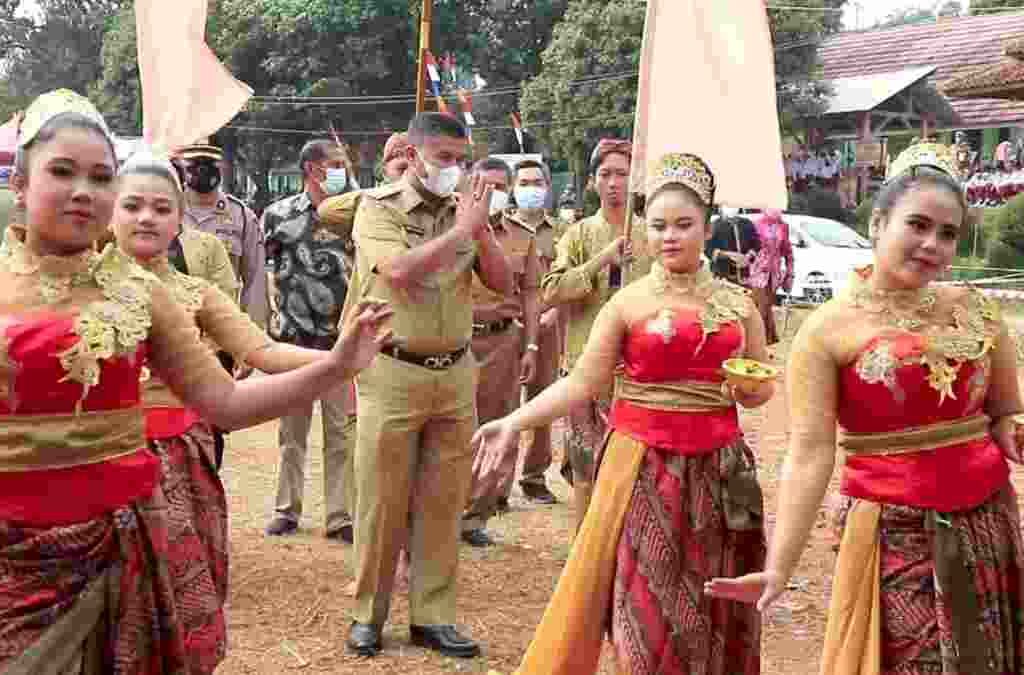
[825, 252]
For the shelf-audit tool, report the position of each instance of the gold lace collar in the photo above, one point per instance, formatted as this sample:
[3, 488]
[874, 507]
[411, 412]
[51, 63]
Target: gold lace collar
[907, 309]
[685, 283]
[967, 335]
[722, 302]
[159, 265]
[186, 290]
[56, 274]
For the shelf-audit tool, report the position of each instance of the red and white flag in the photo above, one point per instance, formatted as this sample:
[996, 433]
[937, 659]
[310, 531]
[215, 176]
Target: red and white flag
[724, 110]
[466, 101]
[187, 93]
[434, 74]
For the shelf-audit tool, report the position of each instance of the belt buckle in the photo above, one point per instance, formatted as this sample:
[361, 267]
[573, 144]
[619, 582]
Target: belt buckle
[442, 362]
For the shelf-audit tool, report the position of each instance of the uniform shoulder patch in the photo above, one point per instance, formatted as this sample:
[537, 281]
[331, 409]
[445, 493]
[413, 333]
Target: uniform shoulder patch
[384, 191]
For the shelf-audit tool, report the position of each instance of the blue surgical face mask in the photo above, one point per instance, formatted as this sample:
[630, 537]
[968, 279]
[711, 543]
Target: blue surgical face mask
[336, 181]
[529, 197]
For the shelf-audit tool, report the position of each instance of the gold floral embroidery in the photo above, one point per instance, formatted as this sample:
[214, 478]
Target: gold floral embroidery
[186, 290]
[662, 325]
[724, 302]
[8, 368]
[878, 366]
[114, 326]
[947, 346]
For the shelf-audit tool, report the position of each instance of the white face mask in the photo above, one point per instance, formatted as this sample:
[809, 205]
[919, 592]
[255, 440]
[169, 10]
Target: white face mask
[336, 182]
[442, 182]
[529, 197]
[499, 201]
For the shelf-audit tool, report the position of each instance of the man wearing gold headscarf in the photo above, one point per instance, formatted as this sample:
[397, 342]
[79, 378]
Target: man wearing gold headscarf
[579, 281]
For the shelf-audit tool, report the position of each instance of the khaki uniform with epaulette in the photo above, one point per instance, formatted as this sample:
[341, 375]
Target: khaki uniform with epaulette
[498, 345]
[204, 255]
[417, 410]
[550, 341]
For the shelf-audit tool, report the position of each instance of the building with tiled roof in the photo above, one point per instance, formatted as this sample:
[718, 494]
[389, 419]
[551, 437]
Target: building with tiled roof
[952, 46]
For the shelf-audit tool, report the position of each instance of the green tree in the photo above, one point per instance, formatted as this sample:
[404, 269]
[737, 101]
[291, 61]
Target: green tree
[989, 6]
[331, 48]
[60, 49]
[1006, 227]
[581, 94]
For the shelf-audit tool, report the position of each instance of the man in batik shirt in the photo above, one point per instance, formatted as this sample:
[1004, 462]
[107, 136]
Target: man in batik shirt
[310, 270]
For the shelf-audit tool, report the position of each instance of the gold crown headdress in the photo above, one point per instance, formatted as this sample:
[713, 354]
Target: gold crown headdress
[682, 169]
[932, 155]
[52, 104]
[149, 156]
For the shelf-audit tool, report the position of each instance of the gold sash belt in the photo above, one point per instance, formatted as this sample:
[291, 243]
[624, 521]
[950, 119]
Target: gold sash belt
[916, 439]
[34, 442]
[673, 396]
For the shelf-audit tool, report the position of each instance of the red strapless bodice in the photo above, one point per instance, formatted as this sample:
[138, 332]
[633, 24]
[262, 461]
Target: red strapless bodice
[887, 389]
[671, 347]
[33, 384]
[34, 343]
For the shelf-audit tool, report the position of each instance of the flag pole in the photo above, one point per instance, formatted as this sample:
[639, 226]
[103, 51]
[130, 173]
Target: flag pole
[426, 19]
[618, 270]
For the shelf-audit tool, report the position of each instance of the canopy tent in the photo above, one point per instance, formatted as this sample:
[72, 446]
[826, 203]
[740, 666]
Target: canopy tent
[880, 104]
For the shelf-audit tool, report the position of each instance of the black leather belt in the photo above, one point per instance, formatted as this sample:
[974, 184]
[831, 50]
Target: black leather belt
[431, 362]
[492, 328]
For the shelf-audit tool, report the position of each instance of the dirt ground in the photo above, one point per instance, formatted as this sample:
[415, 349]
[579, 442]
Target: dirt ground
[289, 611]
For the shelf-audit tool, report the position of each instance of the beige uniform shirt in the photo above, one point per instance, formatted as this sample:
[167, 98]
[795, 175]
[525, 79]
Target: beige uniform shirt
[518, 242]
[577, 282]
[207, 258]
[436, 315]
[237, 226]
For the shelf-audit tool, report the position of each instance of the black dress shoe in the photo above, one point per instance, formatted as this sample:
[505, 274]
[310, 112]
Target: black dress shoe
[538, 493]
[281, 526]
[477, 538]
[444, 640]
[364, 639]
[343, 533]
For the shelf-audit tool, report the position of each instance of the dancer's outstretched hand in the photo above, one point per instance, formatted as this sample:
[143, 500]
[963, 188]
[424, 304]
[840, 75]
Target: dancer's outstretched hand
[762, 588]
[363, 333]
[496, 439]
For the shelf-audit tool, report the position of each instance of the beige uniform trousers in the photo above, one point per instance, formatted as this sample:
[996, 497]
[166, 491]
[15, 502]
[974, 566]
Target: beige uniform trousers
[497, 395]
[537, 456]
[339, 434]
[414, 432]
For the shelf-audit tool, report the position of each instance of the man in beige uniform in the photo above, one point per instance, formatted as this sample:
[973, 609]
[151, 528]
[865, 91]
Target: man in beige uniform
[579, 283]
[210, 209]
[504, 340]
[532, 194]
[416, 401]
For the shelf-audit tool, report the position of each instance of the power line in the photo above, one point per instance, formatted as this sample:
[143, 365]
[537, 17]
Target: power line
[384, 132]
[411, 98]
[804, 8]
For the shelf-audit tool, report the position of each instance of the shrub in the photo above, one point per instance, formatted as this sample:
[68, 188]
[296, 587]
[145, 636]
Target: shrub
[1006, 228]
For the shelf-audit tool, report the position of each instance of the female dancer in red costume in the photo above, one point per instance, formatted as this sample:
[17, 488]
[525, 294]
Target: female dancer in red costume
[921, 381]
[147, 217]
[88, 580]
[676, 500]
